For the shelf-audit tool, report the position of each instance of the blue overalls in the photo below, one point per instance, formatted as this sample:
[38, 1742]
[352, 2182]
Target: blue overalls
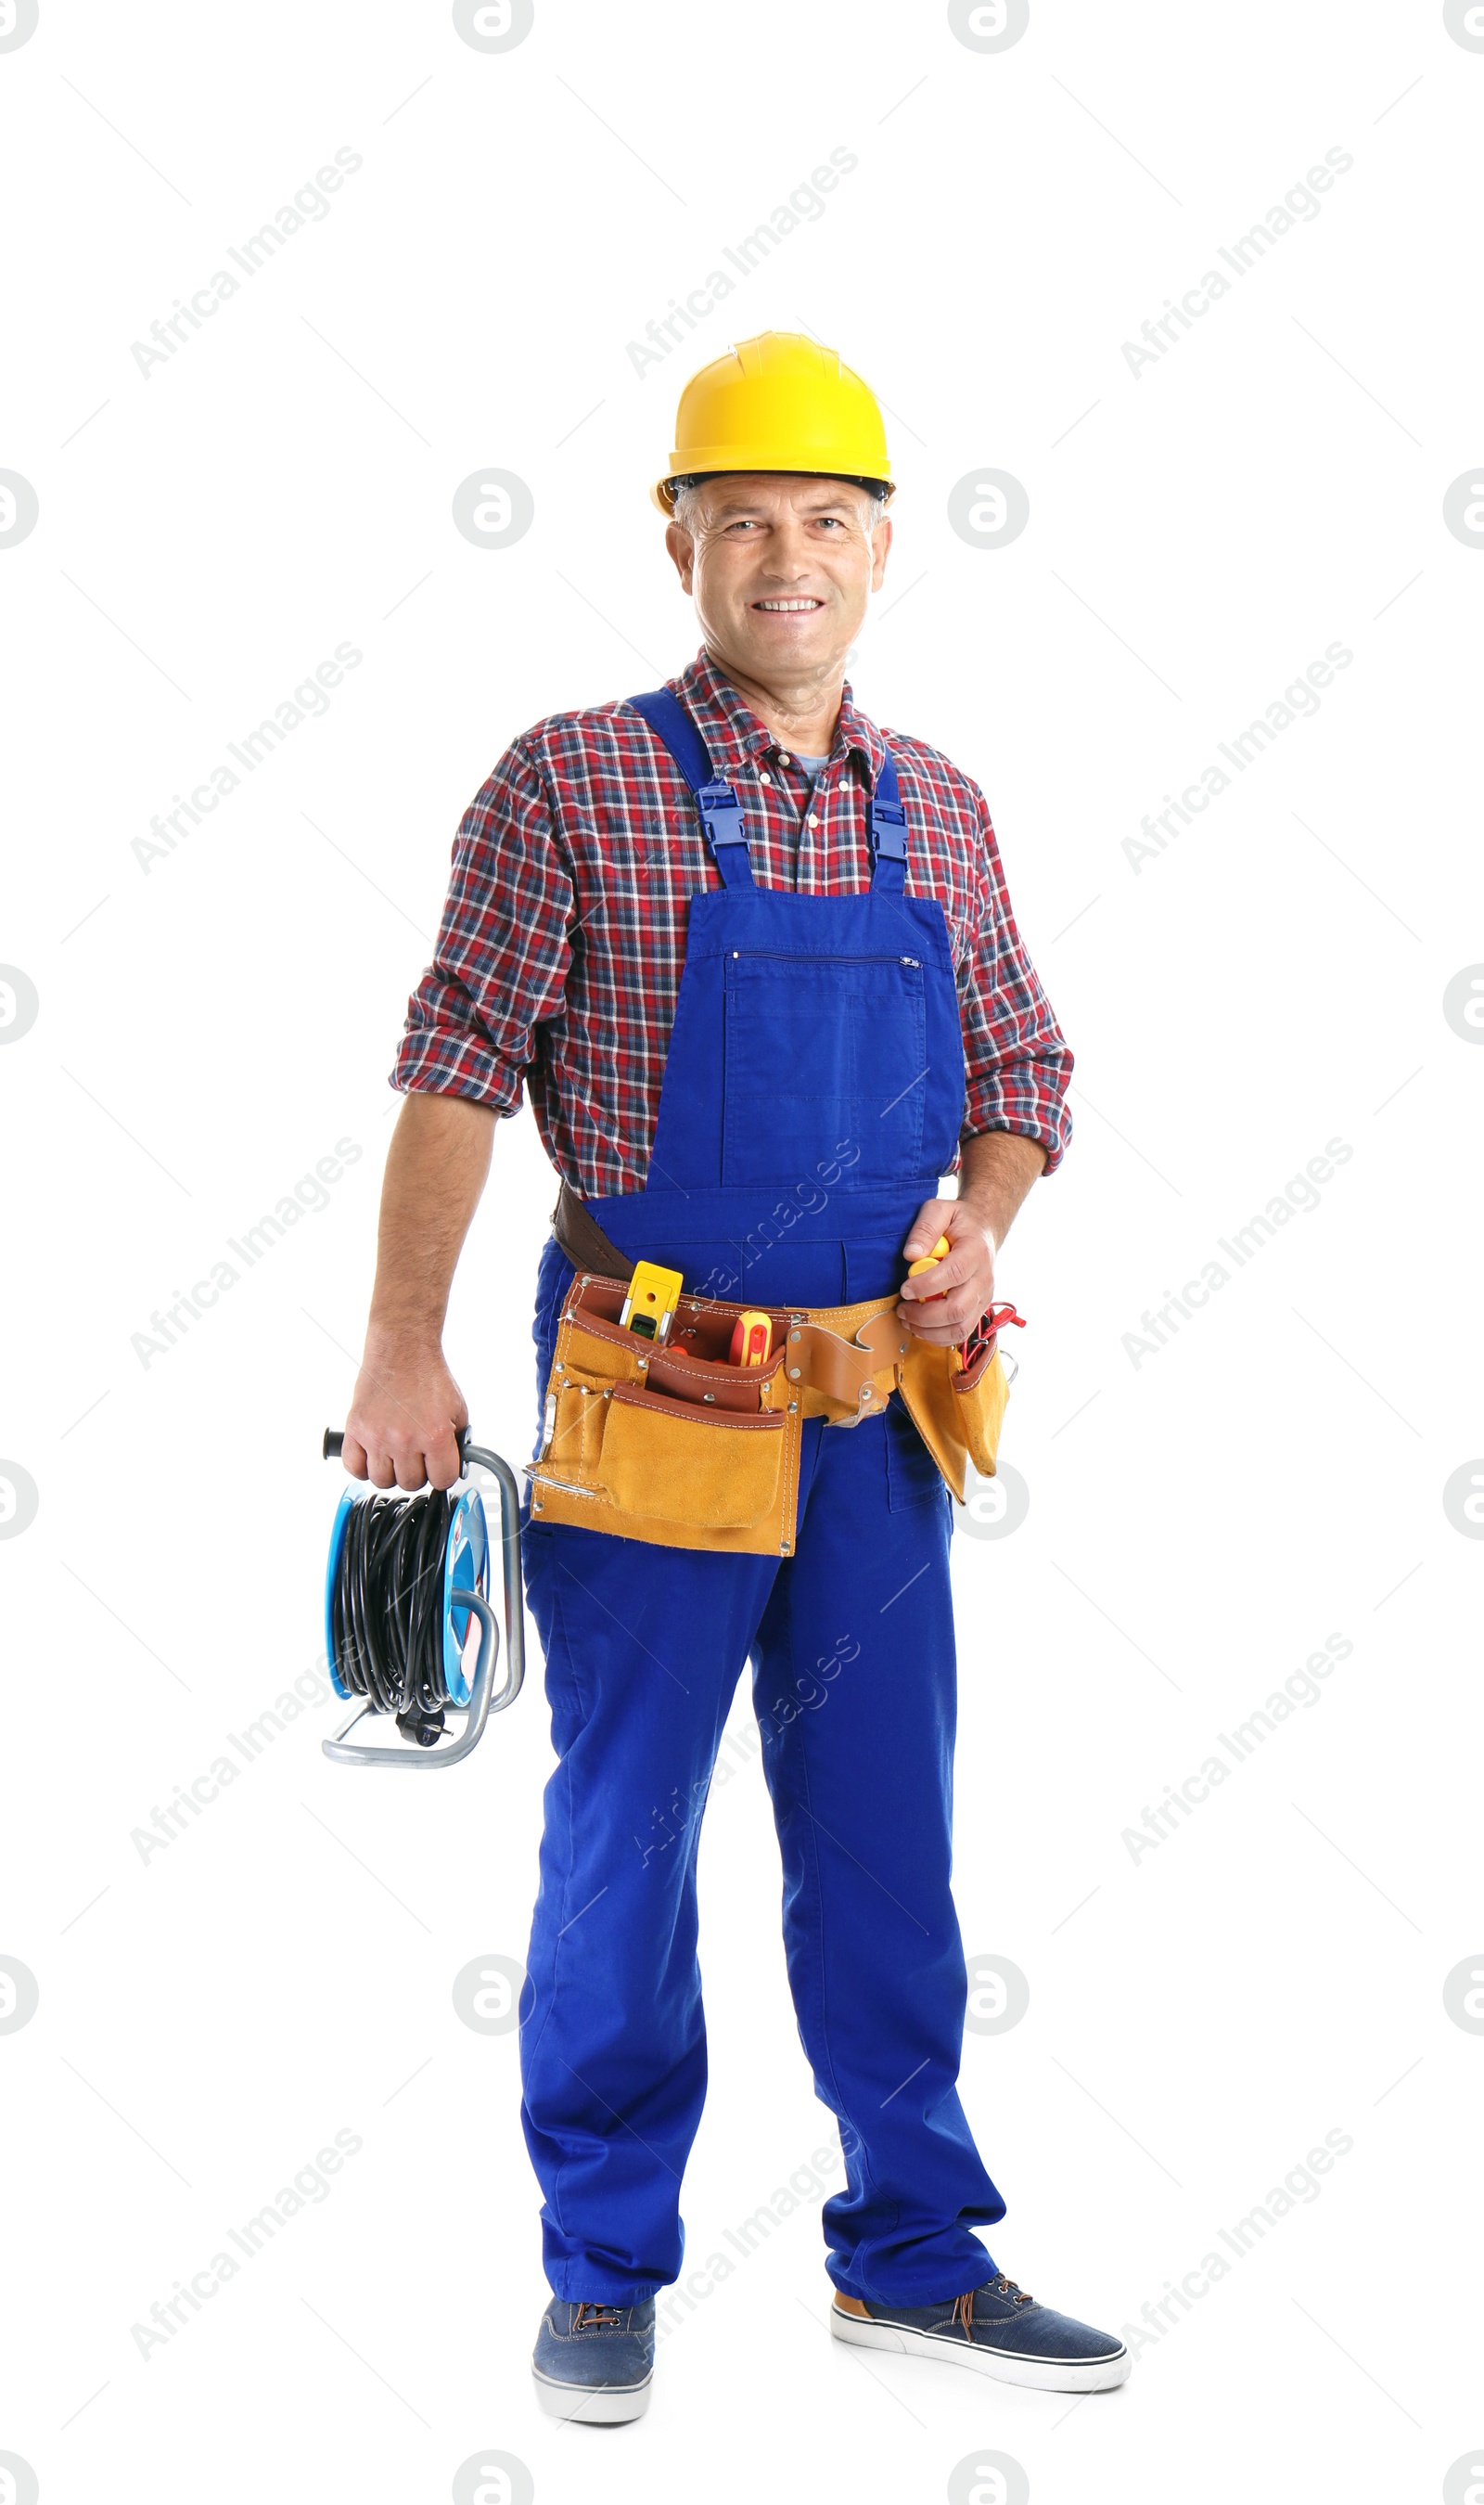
[812, 1096]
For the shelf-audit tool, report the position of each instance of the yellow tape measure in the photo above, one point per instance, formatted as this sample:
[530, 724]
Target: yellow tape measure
[653, 1296]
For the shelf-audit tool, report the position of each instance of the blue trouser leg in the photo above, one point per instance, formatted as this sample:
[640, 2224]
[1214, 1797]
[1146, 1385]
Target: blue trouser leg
[644, 1649]
[856, 1697]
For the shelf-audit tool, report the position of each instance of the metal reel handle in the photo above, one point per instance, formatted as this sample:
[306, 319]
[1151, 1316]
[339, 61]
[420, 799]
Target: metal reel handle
[357, 1753]
[333, 1444]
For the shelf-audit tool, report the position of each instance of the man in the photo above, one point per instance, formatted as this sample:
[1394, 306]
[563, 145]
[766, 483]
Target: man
[854, 1015]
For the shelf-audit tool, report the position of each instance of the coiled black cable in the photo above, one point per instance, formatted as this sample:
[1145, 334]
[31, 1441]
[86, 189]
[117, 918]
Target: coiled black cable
[387, 1607]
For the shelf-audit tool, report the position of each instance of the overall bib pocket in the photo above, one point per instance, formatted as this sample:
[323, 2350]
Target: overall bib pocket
[800, 1032]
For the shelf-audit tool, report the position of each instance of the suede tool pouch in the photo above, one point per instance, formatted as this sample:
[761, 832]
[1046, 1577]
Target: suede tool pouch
[982, 1395]
[668, 1461]
[957, 1413]
[670, 1445]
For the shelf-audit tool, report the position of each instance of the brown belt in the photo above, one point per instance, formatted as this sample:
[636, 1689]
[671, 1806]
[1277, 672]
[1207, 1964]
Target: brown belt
[583, 1240]
[841, 1367]
[837, 1354]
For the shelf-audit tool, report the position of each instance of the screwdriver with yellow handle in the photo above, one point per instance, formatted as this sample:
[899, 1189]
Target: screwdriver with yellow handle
[751, 1339]
[930, 1261]
[963, 1353]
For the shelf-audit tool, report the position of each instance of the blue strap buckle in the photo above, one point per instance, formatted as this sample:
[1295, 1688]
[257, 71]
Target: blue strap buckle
[888, 831]
[888, 824]
[722, 812]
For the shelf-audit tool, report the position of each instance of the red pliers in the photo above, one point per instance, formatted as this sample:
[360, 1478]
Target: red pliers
[984, 1333]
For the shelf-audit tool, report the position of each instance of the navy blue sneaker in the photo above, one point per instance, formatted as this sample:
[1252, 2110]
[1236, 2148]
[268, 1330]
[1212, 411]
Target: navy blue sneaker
[595, 2362]
[996, 2329]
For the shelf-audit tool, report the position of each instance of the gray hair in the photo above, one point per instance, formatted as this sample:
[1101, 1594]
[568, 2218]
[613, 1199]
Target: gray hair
[688, 495]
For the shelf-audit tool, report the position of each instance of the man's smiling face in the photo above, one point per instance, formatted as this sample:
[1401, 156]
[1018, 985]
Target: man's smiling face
[781, 568]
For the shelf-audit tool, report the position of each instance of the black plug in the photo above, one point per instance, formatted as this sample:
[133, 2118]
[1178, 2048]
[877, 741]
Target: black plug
[427, 1729]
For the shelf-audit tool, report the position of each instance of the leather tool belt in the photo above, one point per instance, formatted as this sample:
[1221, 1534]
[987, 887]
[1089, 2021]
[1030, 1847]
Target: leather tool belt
[676, 1445]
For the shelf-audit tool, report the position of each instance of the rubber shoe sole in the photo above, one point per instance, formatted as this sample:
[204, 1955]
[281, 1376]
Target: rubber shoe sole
[1042, 2374]
[592, 2404]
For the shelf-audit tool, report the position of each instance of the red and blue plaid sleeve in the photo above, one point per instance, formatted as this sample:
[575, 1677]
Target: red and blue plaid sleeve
[502, 955]
[1018, 1063]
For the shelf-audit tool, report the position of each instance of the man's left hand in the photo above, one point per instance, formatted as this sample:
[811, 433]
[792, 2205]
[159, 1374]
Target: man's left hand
[963, 1280]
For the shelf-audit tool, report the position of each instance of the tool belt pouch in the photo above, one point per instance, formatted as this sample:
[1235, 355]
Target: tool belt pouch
[957, 1412]
[672, 1443]
[676, 1445]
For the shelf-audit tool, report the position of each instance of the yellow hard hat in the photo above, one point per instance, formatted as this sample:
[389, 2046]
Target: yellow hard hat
[778, 401]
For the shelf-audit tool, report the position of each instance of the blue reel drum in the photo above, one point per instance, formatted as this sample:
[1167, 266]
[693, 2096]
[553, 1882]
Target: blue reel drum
[332, 1575]
[465, 1567]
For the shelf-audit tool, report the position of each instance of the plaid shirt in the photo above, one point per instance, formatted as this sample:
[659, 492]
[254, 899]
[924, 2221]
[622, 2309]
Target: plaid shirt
[563, 939]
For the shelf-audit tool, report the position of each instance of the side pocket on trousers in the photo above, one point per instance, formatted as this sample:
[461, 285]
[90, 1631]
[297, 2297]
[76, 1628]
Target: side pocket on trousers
[554, 1276]
[912, 1476]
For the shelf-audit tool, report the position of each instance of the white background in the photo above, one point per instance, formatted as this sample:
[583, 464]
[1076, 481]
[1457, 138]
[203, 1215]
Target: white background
[1199, 1522]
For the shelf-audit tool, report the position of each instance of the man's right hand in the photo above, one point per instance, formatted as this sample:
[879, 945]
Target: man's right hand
[403, 1425]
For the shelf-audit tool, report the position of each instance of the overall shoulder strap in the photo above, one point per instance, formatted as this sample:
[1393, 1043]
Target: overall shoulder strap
[720, 809]
[669, 721]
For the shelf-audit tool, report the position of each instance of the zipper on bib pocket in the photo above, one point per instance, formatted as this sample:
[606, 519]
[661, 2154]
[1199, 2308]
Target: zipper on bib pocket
[796, 957]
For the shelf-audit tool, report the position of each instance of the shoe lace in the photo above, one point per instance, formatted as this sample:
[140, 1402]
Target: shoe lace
[963, 2305]
[597, 2317]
